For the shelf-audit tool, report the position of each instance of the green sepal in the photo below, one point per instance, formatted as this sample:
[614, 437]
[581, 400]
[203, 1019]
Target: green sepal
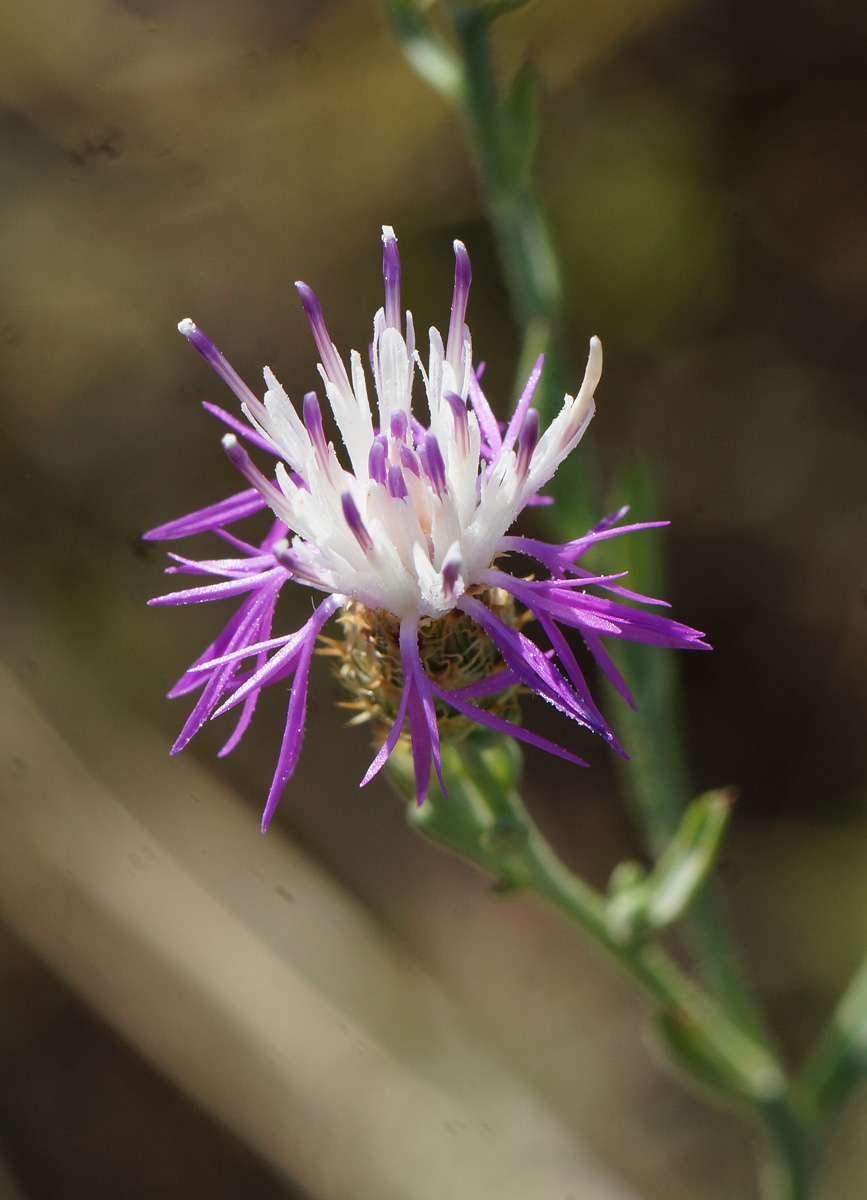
[482, 816]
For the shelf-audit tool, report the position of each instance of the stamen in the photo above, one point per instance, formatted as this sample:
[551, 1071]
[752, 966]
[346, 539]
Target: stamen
[217, 360]
[355, 523]
[409, 460]
[399, 426]
[432, 461]
[377, 459]
[313, 423]
[451, 570]
[462, 426]
[334, 368]
[288, 559]
[463, 276]
[527, 442]
[391, 275]
[397, 484]
[241, 461]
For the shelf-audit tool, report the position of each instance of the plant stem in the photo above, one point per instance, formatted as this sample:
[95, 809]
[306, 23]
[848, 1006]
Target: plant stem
[530, 265]
[483, 819]
[655, 774]
[655, 778]
[720, 1041]
[749, 1069]
[786, 1173]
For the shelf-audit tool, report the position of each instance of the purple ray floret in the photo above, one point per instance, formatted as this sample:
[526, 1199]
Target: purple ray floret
[391, 275]
[404, 540]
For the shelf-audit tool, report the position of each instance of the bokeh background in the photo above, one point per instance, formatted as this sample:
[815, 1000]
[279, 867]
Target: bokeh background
[188, 1010]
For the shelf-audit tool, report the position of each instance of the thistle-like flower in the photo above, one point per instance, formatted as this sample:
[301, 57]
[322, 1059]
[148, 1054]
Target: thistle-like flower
[402, 533]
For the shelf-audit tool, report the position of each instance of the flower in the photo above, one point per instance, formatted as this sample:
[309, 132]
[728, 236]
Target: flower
[403, 537]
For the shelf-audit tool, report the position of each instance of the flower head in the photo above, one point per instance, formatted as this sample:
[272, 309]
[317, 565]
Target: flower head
[401, 533]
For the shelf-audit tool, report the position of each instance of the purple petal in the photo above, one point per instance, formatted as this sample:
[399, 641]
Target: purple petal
[242, 504]
[610, 520]
[245, 652]
[230, 568]
[515, 424]
[242, 429]
[355, 523]
[560, 556]
[192, 680]
[530, 664]
[250, 703]
[385, 750]
[213, 591]
[487, 421]
[280, 665]
[424, 731]
[501, 725]
[293, 735]
[576, 677]
[489, 686]
[220, 678]
[605, 661]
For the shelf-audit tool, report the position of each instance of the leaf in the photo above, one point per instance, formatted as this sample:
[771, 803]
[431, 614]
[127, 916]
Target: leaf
[744, 1070]
[684, 866]
[521, 121]
[639, 902]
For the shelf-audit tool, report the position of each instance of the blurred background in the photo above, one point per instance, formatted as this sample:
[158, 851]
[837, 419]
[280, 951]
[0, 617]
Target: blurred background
[338, 1010]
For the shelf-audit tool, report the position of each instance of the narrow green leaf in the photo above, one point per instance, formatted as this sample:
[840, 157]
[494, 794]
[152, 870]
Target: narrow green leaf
[748, 1074]
[521, 121]
[686, 863]
[428, 54]
[639, 902]
[838, 1064]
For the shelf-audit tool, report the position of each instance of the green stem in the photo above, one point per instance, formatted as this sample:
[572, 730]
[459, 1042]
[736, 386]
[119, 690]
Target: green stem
[721, 1041]
[787, 1171]
[719, 1044]
[655, 777]
[656, 773]
[527, 254]
[483, 819]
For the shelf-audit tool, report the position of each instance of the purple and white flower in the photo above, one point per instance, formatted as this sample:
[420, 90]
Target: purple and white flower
[403, 528]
